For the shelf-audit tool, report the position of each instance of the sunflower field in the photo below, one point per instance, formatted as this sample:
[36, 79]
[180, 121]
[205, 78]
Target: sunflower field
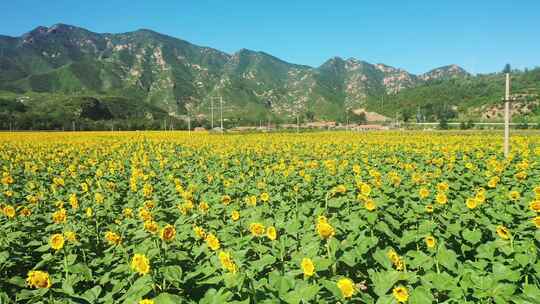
[332, 217]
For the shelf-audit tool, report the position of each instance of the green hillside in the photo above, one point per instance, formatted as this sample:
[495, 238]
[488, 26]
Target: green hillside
[58, 69]
[462, 98]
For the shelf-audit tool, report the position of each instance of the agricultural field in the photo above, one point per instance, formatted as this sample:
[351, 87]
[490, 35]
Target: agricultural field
[172, 217]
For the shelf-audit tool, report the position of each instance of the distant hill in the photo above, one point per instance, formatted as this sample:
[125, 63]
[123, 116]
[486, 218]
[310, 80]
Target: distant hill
[464, 98]
[155, 76]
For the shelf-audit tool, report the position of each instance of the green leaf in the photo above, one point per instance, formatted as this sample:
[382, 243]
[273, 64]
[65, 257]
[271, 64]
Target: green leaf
[213, 296]
[382, 257]
[335, 202]
[82, 270]
[421, 295]
[91, 295]
[447, 258]
[348, 258]
[139, 289]
[281, 283]
[531, 292]
[383, 281]
[17, 281]
[172, 274]
[332, 287]
[309, 292]
[386, 299]
[321, 264]
[167, 298]
[263, 262]
[472, 236]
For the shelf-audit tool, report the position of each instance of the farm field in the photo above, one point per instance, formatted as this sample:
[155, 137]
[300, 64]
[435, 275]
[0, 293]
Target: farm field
[168, 217]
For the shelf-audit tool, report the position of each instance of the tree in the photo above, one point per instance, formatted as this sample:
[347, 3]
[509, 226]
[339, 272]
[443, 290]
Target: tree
[443, 123]
[310, 115]
[507, 68]
[359, 118]
[406, 114]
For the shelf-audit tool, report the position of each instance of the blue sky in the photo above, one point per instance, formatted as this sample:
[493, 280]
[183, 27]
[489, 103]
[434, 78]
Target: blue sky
[479, 35]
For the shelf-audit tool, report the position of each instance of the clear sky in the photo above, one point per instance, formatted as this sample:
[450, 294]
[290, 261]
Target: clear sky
[479, 35]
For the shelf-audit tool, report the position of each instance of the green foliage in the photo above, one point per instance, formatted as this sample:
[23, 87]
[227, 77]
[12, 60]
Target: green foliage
[438, 98]
[165, 73]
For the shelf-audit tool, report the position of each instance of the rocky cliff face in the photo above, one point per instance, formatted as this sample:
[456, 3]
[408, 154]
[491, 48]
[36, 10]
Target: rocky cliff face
[171, 73]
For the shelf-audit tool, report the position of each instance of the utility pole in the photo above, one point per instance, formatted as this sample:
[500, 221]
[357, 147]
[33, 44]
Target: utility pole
[189, 120]
[507, 116]
[297, 123]
[346, 119]
[212, 109]
[221, 112]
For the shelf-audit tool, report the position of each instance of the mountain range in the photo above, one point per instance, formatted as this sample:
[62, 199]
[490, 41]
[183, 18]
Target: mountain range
[156, 73]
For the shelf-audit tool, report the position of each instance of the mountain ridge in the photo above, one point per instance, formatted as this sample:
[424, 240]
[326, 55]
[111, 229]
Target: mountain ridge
[176, 75]
[64, 26]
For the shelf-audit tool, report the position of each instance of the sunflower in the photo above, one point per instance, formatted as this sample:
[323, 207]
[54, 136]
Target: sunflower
[346, 286]
[514, 195]
[503, 232]
[365, 189]
[227, 262]
[203, 207]
[56, 241]
[127, 212]
[492, 183]
[535, 206]
[73, 201]
[235, 215]
[307, 267]
[265, 197]
[395, 259]
[251, 200]
[146, 301]
[271, 233]
[145, 215]
[38, 279]
[257, 229]
[536, 221]
[429, 208]
[400, 294]
[442, 187]
[423, 192]
[370, 205]
[99, 198]
[9, 211]
[225, 199]
[324, 229]
[151, 226]
[430, 241]
[340, 189]
[212, 242]
[140, 264]
[536, 191]
[441, 198]
[471, 203]
[112, 238]
[25, 212]
[393, 256]
[199, 232]
[70, 236]
[168, 233]
[59, 216]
